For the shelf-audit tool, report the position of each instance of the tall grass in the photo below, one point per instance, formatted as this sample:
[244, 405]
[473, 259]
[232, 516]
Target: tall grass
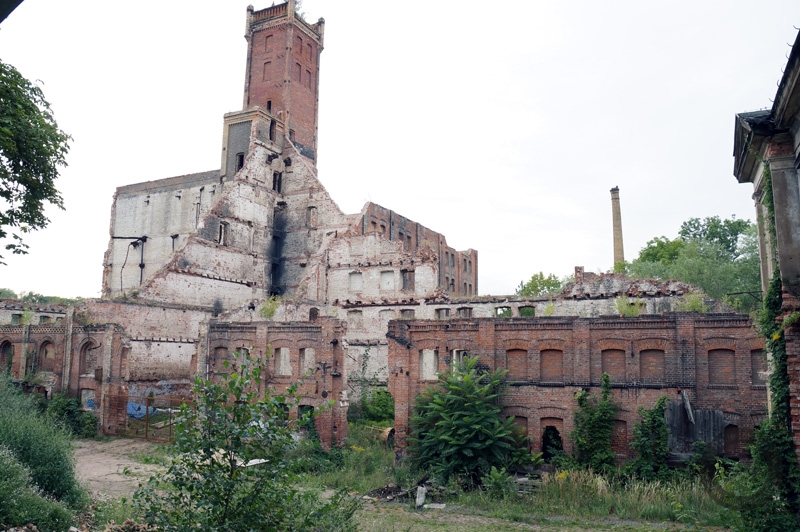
[43, 447]
[365, 464]
[584, 494]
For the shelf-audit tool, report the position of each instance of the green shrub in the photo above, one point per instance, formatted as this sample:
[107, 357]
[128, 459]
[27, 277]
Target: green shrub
[21, 503]
[594, 424]
[651, 443]
[67, 410]
[230, 470]
[378, 406]
[457, 430]
[498, 484]
[40, 445]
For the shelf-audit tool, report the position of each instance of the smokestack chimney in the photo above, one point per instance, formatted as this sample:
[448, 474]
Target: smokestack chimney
[619, 253]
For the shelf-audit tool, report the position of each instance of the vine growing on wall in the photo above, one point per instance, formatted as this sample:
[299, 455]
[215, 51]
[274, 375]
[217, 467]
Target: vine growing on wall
[767, 495]
[594, 425]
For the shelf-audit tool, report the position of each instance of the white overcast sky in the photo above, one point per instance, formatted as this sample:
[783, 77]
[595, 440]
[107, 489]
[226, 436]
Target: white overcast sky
[502, 125]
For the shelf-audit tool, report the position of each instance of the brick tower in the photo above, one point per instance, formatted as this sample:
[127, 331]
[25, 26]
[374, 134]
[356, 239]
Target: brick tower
[282, 77]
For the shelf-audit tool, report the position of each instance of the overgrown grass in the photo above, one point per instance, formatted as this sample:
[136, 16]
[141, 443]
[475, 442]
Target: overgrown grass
[584, 494]
[367, 463]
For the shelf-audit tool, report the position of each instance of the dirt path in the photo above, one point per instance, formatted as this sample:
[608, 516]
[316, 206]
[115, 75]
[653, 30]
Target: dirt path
[108, 467]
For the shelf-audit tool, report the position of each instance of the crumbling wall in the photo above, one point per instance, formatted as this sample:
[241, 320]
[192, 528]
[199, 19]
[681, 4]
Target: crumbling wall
[550, 359]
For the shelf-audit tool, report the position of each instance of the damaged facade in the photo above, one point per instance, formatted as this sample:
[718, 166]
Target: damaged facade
[193, 261]
[766, 153]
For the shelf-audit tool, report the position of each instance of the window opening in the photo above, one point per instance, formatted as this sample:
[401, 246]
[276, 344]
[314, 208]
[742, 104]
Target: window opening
[465, 312]
[407, 314]
[265, 73]
[503, 312]
[408, 279]
[223, 234]
[356, 281]
[387, 280]
[527, 312]
[307, 361]
[283, 361]
[277, 181]
[271, 127]
[442, 313]
[269, 109]
[457, 357]
[552, 444]
[239, 161]
[428, 364]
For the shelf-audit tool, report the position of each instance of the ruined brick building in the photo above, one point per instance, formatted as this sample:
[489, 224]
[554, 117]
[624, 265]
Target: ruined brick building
[193, 260]
[766, 153]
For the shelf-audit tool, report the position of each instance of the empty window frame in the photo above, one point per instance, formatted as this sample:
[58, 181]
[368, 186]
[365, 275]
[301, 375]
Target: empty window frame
[16, 319]
[503, 312]
[452, 286]
[408, 279]
[428, 364]
[527, 312]
[758, 363]
[307, 362]
[457, 357]
[356, 281]
[465, 312]
[354, 319]
[387, 280]
[224, 234]
[442, 313]
[297, 72]
[277, 181]
[239, 161]
[271, 124]
[407, 314]
[282, 361]
[44, 320]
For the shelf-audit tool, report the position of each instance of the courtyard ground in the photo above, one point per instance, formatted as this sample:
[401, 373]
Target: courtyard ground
[114, 468]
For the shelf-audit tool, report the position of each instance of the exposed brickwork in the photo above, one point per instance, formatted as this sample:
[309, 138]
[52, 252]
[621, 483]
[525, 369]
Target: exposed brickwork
[672, 349]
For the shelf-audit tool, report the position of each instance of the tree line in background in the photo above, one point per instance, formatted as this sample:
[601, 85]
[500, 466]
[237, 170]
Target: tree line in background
[720, 257]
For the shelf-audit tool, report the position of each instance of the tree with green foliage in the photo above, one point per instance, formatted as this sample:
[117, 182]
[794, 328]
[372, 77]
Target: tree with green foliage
[230, 470]
[661, 249]
[725, 233]
[539, 285]
[594, 426]
[718, 256]
[32, 148]
[457, 431]
[651, 442]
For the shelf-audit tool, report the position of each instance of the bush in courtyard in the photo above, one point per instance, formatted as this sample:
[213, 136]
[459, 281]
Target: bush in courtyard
[230, 470]
[457, 430]
[42, 446]
[67, 410]
[22, 503]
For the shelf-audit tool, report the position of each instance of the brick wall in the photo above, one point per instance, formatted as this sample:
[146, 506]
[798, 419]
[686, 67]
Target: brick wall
[648, 356]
